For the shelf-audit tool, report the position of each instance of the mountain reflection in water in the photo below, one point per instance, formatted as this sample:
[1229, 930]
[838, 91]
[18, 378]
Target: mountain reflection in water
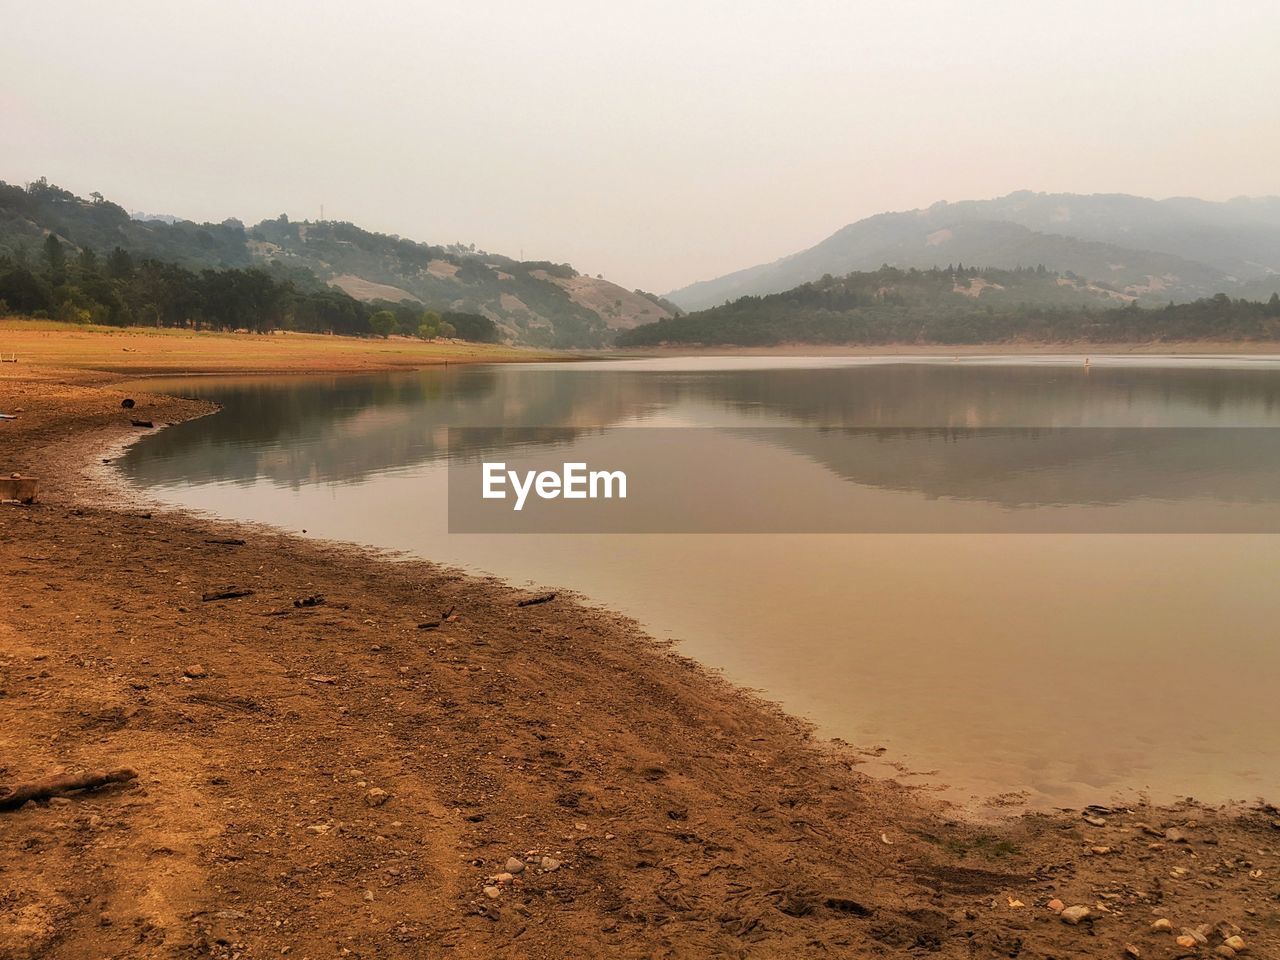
[986, 657]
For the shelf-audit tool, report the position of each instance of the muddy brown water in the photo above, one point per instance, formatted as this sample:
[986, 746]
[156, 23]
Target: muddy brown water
[1067, 667]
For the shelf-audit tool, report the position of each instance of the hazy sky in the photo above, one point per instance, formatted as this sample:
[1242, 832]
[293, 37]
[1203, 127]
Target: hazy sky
[658, 143]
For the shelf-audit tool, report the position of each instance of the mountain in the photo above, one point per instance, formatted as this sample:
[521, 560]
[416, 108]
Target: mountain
[536, 303]
[1155, 250]
[959, 305]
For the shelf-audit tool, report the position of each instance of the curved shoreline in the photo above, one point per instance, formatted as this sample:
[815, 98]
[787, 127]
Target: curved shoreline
[682, 811]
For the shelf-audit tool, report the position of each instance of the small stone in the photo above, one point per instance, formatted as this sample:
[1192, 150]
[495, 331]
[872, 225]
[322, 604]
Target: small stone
[580, 826]
[493, 893]
[1162, 925]
[1224, 951]
[1196, 935]
[196, 671]
[503, 877]
[514, 865]
[1056, 905]
[1094, 821]
[318, 828]
[1073, 915]
[1132, 950]
[376, 797]
[59, 802]
[1185, 941]
[1174, 835]
[368, 896]
[1179, 872]
[549, 864]
[1236, 943]
[1100, 851]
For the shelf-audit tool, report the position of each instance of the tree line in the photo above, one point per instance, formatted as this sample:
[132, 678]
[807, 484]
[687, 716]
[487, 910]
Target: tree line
[80, 286]
[948, 306]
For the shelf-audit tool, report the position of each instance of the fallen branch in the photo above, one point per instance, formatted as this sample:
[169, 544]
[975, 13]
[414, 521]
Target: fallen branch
[229, 594]
[15, 797]
[444, 618]
[545, 598]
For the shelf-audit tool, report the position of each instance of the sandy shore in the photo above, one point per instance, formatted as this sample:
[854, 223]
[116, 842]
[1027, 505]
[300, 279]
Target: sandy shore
[336, 780]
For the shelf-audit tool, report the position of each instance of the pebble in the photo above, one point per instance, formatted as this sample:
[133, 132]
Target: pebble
[1094, 821]
[1132, 950]
[368, 896]
[196, 671]
[1162, 925]
[549, 864]
[1185, 941]
[503, 877]
[514, 865]
[1236, 943]
[1224, 951]
[1056, 905]
[1197, 935]
[493, 893]
[1100, 851]
[376, 797]
[1074, 915]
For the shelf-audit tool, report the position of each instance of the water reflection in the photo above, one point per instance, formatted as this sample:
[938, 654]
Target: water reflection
[1074, 668]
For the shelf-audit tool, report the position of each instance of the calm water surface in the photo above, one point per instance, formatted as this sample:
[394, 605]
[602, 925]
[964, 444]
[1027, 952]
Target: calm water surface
[1074, 667]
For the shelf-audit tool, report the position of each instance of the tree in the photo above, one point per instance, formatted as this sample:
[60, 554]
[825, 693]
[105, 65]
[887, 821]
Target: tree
[57, 259]
[120, 264]
[429, 327]
[383, 323]
[446, 329]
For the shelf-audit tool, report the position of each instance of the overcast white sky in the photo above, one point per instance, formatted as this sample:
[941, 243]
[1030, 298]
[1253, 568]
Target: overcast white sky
[658, 142]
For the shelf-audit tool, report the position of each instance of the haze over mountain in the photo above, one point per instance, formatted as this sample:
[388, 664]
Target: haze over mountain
[1152, 250]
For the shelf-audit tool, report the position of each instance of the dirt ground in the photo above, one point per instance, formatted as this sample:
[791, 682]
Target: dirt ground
[337, 780]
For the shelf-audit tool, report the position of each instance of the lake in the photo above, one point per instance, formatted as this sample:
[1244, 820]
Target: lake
[1016, 575]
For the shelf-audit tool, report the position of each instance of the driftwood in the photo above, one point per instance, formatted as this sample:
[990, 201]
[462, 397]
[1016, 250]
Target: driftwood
[142, 423]
[15, 797]
[444, 618]
[545, 598]
[227, 541]
[229, 594]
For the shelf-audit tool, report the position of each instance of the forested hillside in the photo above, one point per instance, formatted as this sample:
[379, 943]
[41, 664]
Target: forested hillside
[959, 305]
[317, 266]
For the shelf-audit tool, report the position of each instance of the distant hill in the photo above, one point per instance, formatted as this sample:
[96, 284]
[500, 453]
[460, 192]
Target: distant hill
[1156, 251]
[959, 305]
[536, 303]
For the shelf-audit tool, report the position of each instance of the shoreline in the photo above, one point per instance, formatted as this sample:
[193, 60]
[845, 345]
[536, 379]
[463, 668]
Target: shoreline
[682, 813]
[1071, 348]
